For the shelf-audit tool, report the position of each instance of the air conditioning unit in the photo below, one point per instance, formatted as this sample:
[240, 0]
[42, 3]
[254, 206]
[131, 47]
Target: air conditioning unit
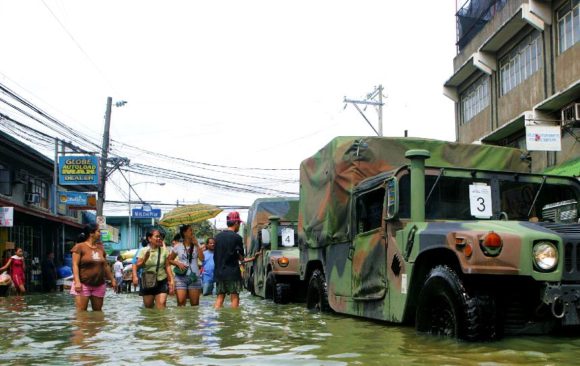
[21, 176]
[32, 198]
[571, 115]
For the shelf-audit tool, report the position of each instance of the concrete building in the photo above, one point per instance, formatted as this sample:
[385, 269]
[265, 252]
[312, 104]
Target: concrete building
[518, 68]
[26, 180]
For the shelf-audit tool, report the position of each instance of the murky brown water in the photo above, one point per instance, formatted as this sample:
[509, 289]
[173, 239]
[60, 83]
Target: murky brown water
[44, 329]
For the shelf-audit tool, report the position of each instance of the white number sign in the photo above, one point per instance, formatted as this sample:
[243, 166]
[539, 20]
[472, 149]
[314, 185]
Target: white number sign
[287, 237]
[480, 200]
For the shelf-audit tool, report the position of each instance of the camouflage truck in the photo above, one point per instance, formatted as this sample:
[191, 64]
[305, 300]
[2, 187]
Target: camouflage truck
[459, 240]
[272, 228]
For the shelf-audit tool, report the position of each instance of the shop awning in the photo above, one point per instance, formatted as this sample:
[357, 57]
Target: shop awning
[40, 214]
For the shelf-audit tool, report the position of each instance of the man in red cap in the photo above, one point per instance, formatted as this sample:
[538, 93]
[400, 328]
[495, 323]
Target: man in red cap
[229, 250]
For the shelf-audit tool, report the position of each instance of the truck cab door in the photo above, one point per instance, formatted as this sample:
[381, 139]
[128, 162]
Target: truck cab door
[369, 279]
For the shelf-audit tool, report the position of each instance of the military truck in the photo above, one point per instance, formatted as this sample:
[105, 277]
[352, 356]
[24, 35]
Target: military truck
[459, 240]
[272, 229]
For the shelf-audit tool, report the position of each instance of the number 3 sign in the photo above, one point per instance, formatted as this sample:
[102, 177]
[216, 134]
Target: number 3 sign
[480, 200]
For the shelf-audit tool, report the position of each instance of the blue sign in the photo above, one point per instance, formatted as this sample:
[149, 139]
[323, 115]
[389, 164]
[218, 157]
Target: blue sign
[146, 212]
[78, 170]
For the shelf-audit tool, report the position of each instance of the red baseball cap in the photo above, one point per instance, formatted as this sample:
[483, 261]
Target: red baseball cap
[234, 216]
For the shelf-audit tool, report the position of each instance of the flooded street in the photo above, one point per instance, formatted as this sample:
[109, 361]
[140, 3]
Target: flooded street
[44, 329]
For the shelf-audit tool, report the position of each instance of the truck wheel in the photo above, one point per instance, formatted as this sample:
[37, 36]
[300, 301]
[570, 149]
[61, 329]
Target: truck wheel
[317, 292]
[250, 286]
[282, 293]
[270, 286]
[446, 308]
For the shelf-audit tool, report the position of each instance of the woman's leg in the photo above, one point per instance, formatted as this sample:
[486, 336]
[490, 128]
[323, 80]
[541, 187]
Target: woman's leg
[181, 296]
[97, 303]
[81, 302]
[148, 301]
[194, 296]
[21, 289]
[160, 300]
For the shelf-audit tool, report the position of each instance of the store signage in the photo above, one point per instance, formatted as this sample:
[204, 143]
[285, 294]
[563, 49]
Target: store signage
[6, 216]
[78, 200]
[146, 212]
[78, 170]
[543, 138]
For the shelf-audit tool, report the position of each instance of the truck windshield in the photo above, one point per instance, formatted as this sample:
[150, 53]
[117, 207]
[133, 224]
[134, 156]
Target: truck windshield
[508, 198]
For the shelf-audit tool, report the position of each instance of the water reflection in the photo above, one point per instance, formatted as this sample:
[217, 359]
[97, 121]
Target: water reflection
[39, 329]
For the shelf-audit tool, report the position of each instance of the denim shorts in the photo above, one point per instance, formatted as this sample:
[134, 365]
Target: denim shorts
[187, 283]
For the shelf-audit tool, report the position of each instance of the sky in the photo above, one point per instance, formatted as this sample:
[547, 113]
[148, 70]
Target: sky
[243, 84]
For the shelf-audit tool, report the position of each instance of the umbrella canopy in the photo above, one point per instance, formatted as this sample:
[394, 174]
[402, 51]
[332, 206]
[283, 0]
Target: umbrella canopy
[189, 214]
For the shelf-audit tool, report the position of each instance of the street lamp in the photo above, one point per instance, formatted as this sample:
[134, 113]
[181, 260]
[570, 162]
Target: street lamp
[130, 188]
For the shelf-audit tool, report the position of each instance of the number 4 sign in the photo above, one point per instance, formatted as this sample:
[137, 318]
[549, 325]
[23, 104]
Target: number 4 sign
[480, 200]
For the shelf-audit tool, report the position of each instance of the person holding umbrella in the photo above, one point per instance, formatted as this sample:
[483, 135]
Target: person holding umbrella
[184, 257]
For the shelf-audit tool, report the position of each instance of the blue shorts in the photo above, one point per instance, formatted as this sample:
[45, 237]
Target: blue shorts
[187, 283]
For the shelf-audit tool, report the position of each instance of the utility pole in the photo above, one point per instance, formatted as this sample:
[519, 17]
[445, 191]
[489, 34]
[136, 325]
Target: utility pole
[370, 100]
[104, 156]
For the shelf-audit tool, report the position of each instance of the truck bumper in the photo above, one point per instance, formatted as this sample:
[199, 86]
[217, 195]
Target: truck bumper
[564, 302]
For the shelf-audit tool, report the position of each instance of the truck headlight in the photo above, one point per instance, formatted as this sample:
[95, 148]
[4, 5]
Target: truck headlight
[545, 256]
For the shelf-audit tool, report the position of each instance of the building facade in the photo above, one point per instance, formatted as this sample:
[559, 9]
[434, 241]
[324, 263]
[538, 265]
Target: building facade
[26, 182]
[518, 66]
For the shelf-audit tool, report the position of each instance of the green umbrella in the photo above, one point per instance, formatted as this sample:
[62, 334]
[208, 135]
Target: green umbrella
[189, 214]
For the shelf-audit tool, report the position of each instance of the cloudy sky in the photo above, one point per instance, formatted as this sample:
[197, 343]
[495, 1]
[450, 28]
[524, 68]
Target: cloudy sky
[241, 84]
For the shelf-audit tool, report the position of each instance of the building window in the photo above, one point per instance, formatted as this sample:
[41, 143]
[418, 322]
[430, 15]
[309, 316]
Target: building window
[568, 24]
[475, 99]
[5, 181]
[40, 187]
[524, 60]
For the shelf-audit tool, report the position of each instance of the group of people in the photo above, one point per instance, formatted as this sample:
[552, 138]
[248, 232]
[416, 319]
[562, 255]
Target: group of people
[160, 271]
[13, 273]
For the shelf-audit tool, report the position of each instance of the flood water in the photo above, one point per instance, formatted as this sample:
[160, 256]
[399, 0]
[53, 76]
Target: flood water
[45, 329]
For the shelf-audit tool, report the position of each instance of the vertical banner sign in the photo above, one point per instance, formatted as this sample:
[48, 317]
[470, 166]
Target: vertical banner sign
[480, 200]
[78, 170]
[6, 216]
[543, 138]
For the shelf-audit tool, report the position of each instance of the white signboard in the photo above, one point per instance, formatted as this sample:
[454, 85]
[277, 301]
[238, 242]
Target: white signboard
[543, 138]
[480, 200]
[6, 216]
[287, 237]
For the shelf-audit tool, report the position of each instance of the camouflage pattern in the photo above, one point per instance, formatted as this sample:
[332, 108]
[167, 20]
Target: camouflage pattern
[270, 268]
[329, 176]
[380, 271]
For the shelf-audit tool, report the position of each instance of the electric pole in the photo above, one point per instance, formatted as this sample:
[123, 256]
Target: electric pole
[375, 98]
[104, 156]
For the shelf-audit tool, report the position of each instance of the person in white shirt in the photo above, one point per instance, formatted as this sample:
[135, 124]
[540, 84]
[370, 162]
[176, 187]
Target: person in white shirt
[118, 273]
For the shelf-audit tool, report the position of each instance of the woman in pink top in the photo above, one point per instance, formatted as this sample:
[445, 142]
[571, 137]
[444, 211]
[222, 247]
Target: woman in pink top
[17, 268]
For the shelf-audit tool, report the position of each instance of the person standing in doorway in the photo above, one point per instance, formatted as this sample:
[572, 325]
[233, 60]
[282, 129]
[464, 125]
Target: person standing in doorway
[90, 268]
[208, 266]
[228, 253]
[17, 270]
[49, 275]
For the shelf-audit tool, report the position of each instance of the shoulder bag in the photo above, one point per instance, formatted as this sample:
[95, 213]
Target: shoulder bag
[149, 278]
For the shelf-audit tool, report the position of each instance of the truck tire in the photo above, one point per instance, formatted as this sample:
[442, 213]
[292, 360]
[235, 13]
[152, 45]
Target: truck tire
[317, 292]
[250, 286]
[270, 286]
[446, 308]
[282, 293]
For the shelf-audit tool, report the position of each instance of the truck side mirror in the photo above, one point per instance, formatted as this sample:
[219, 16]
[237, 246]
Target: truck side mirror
[265, 238]
[391, 198]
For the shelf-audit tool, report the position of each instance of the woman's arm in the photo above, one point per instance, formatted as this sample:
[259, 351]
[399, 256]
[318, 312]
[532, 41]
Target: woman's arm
[169, 276]
[76, 258]
[6, 265]
[200, 252]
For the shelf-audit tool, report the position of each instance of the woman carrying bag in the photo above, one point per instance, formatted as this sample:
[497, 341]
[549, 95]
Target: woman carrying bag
[184, 256]
[156, 280]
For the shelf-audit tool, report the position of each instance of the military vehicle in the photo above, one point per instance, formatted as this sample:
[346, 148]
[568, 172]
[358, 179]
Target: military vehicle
[459, 240]
[272, 228]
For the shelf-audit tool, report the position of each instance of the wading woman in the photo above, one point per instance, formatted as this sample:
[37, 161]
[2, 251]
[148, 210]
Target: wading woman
[90, 268]
[153, 260]
[17, 269]
[184, 257]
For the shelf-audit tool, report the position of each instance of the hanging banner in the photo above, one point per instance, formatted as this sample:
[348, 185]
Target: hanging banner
[6, 216]
[78, 170]
[543, 138]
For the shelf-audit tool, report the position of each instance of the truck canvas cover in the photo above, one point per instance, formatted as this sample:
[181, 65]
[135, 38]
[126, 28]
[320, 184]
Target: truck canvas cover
[328, 177]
